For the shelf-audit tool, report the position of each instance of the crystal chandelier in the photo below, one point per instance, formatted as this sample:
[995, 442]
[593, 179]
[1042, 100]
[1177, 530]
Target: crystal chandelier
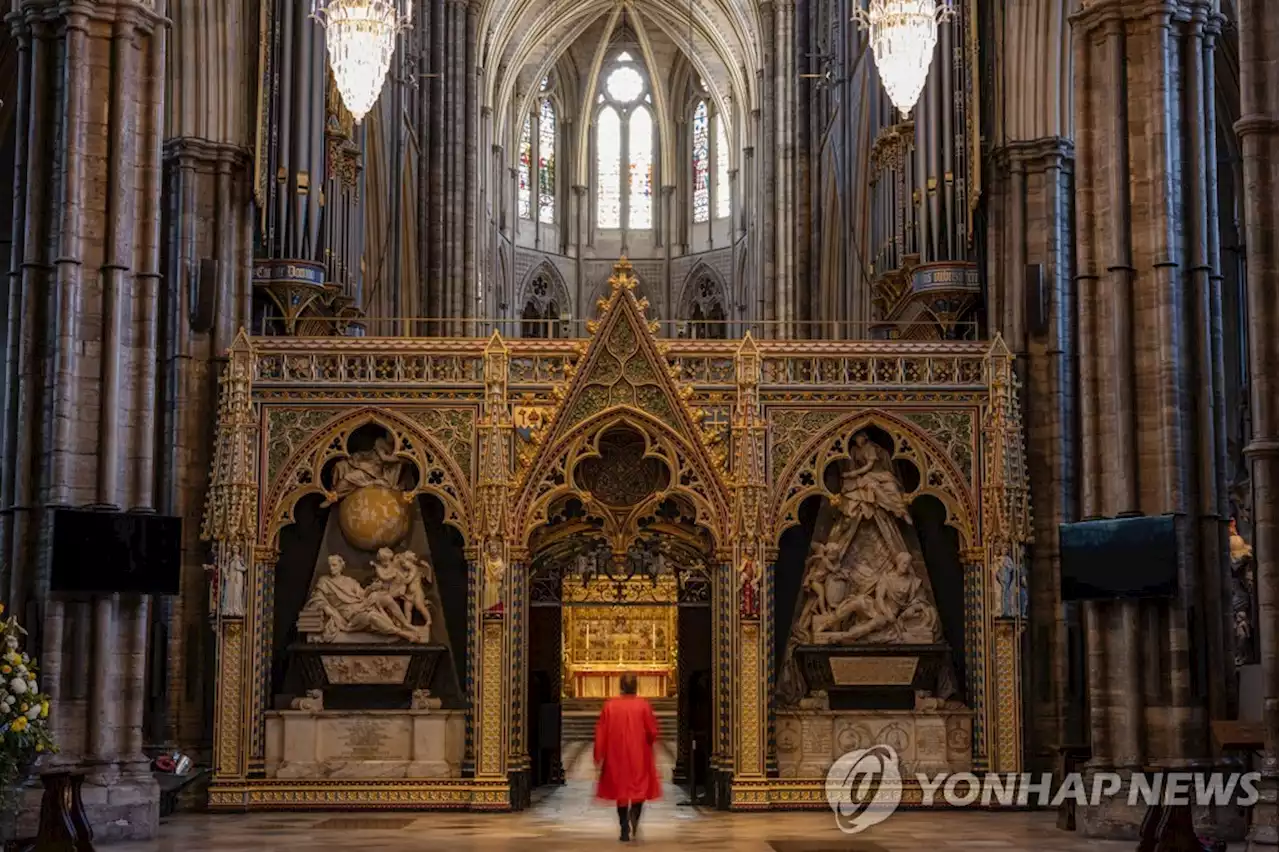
[361, 35]
[903, 35]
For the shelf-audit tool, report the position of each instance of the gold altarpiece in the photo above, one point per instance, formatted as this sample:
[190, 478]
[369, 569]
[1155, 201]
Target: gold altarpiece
[604, 640]
[498, 428]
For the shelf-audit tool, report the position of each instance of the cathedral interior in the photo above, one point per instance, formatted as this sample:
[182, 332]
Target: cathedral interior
[384, 382]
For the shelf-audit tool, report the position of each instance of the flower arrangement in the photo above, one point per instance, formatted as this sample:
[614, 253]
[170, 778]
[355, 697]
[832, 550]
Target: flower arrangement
[24, 713]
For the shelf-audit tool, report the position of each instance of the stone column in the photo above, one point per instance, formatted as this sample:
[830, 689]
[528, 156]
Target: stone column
[1150, 376]
[471, 199]
[1257, 129]
[1030, 199]
[84, 301]
[206, 254]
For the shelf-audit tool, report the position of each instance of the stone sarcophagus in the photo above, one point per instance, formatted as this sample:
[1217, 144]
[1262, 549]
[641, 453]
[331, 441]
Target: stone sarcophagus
[873, 677]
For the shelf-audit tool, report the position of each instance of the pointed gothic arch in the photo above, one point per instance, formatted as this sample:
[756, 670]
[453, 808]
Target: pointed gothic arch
[302, 473]
[952, 483]
[703, 306]
[542, 299]
[622, 380]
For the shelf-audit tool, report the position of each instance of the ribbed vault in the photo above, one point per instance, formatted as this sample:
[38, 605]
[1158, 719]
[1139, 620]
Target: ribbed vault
[525, 40]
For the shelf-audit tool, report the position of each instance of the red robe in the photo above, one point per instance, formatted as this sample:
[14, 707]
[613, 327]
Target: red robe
[625, 735]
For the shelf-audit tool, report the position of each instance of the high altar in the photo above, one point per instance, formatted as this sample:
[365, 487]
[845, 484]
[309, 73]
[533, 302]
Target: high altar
[379, 516]
[604, 641]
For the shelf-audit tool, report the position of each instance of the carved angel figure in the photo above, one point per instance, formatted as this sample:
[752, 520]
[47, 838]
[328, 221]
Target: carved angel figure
[415, 572]
[378, 466]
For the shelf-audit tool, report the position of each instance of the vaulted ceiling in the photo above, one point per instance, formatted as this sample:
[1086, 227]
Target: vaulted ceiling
[523, 40]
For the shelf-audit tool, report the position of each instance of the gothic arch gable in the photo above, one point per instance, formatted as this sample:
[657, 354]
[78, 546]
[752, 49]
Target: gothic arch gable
[556, 290]
[940, 476]
[622, 377]
[438, 473]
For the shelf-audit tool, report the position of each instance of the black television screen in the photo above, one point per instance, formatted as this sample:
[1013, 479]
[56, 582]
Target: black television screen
[1119, 558]
[102, 552]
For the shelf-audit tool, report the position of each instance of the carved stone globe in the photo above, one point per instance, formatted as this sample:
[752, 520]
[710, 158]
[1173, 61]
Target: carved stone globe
[374, 516]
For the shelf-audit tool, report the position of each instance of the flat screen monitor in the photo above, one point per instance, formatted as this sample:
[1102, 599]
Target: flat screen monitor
[104, 552]
[1115, 558]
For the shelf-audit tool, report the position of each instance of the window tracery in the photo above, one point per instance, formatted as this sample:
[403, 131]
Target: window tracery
[536, 167]
[709, 148]
[624, 130]
[722, 168]
[524, 185]
[701, 163]
[547, 162]
[704, 308]
[545, 299]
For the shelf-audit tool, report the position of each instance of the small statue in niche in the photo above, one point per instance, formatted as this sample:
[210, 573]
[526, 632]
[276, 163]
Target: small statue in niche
[227, 587]
[495, 568]
[749, 590]
[1013, 589]
[378, 466]
[346, 607]
[1241, 594]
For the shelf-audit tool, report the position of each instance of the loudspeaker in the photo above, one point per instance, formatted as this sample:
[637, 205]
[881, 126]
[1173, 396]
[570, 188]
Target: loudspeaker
[1036, 300]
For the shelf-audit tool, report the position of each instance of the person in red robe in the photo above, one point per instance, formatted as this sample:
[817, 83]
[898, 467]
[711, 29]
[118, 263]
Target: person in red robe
[625, 735]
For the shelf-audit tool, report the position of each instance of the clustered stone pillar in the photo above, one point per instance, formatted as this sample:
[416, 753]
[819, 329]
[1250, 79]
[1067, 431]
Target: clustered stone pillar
[448, 138]
[1151, 424]
[1257, 129]
[206, 254]
[84, 298]
[1029, 202]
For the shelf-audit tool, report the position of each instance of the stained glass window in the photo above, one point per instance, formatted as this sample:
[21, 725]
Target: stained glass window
[640, 170]
[524, 188]
[722, 168]
[547, 162]
[701, 164]
[608, 169]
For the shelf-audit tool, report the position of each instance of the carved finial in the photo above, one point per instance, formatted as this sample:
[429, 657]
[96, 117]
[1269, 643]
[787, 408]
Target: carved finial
[495, 344]
[622, 277]
[241, 342]
[748, 345]
[998, 348]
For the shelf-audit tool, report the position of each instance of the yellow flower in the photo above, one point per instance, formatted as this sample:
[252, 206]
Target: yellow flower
[20, 724]
[26, 707]
[39, 747]
[5, 669]
[44, 709]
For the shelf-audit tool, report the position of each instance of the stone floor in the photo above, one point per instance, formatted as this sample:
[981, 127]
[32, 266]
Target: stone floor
[567, 820]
